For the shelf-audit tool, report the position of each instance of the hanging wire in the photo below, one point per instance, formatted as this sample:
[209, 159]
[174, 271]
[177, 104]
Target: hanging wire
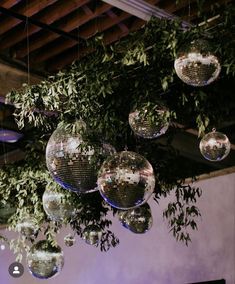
[28, 56]
[189, 11]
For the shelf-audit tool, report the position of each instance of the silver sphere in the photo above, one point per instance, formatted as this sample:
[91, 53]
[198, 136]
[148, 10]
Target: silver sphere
[44, 260]
[215, 146]
[142, 125]
[92, 234]
[57, 206]
[126, 180]
[69, 240]
[196, 65]
[28, 227]
[71, 160]
[138, 220]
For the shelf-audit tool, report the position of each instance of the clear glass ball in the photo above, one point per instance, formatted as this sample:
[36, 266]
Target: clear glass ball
[142, 124]
[69, 240]
[196, 64]
[126, 180]
[215, 146]
[28, 227]
[138, 220]
[44, 260]
[57, 206]
[92, 234]
[72, 161]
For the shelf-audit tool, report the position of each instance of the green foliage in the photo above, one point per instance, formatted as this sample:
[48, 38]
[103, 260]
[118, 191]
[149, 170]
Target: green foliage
[101, 89]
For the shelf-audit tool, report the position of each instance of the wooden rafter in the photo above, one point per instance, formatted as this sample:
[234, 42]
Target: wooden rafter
[85, 33]
[9, 3]
[109, 37]
[58, 11]
[28, 10]
[74, 22]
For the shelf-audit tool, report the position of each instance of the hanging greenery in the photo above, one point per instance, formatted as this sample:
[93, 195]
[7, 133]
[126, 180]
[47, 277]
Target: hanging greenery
[102, 89]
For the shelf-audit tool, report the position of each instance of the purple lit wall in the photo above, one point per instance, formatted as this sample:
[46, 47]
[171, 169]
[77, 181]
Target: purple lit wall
[155, 258]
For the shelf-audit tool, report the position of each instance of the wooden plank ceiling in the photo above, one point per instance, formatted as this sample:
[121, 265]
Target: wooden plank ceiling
[50, 33]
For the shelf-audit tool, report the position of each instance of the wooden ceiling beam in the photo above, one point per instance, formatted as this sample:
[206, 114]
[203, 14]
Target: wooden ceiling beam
[74, 22]
[110, 36]
[87, 32]
[121, 25]
[54, 13]
[28, 10]
[9, 3]
[143, 10]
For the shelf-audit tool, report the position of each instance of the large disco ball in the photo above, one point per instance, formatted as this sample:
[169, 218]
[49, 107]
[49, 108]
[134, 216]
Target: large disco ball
[215, 146]
[44, 260]
[126, 180]
[92, 234]
[143, 125]
[196, 64]
[28, 227]
[138, 220]
[57, 206]
[72, 161]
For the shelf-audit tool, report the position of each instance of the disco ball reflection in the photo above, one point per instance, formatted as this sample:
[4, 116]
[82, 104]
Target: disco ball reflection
[126, 180]
[44, 260]
[138, 220]
[215, 146]
[27, 227]
[196, 64]
[57, 206]
[72, 161]
[92, 234]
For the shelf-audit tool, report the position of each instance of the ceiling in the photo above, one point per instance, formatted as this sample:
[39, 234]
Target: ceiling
[44, 36]
[50, 34]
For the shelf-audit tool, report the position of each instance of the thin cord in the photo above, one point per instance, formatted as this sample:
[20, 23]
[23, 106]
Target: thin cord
[189, 10]
[28, 63]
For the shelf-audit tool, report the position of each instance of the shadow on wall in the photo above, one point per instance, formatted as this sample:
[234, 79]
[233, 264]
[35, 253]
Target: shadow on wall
[222, 281]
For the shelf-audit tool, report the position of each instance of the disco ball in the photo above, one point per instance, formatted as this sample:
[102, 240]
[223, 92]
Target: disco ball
[138, 220]
[69, 240]
[57, 206]
[44, 260]
[126, 180]
[28, 227]
[142, 124]
[71, 160]
[215, 146]
[196, 65]
[92, 234]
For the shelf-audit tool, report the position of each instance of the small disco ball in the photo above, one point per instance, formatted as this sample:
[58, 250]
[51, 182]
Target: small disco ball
[126, 180]
[57, 206]
[28, 227]
[44, 260]
[71, 160]
[69, 240]
[142, 124]
[138, 220]
[215, 146]
[196, 65]
[92, 234]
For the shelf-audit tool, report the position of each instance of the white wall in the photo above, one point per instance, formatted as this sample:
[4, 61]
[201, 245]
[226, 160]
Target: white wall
[156, 258]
